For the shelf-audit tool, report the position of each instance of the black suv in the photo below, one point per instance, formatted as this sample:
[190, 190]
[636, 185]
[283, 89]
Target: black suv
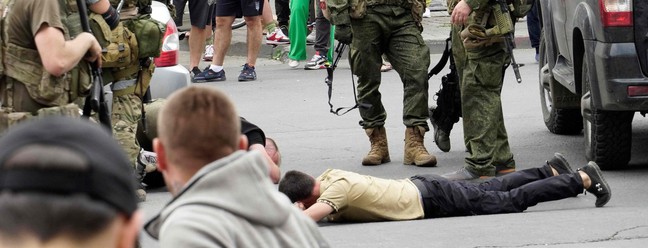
[594, 72]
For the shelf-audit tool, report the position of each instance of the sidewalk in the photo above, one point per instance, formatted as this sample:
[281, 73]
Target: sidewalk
[435, 30]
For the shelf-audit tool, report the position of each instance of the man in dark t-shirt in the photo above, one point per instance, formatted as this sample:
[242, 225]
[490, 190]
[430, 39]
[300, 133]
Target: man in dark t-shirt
[257, 140]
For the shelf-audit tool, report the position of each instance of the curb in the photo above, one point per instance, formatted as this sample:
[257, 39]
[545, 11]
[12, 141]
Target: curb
[238, 48]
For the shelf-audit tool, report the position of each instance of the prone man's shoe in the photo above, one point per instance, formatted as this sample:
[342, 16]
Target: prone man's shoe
[599, 187]
[463, 174]
[559, 163]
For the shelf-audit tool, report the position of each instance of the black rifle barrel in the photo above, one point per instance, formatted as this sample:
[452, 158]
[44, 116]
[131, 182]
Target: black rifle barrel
[508, 39]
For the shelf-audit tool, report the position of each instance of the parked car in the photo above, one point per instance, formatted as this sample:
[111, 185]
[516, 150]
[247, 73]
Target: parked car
[594, 73]
[168, 76]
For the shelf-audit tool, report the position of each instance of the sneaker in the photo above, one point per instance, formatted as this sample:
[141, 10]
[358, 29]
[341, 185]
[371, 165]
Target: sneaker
[427, 13]
[277, 38]
[148, 160]
[316, 63]
[195, 71]
[209, 53]
[209, 75]
[293, 63]
[599, 187]
[284, 30]
[247, 73]
[559, 163]
[310, 39]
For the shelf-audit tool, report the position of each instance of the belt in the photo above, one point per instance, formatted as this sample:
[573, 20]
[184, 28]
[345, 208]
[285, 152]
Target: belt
[124, 87]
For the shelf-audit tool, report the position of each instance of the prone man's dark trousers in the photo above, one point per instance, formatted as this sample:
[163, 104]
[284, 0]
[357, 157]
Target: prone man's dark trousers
[511, 193]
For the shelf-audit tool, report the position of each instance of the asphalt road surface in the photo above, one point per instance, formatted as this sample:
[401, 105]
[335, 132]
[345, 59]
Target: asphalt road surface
[291, 106]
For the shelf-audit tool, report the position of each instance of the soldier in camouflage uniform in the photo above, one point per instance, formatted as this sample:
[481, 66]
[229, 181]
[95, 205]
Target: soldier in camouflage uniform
[393, 28]
[44, 59]
[481, 68]
[129, 84]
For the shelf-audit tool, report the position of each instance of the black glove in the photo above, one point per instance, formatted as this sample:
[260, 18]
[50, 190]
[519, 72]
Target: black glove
[343, 34]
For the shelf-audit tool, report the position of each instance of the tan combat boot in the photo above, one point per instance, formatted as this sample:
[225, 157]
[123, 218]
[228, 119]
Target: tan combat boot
[415, 152]
[379, 152]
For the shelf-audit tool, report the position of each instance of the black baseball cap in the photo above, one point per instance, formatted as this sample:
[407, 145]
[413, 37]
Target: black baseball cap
[106, 174]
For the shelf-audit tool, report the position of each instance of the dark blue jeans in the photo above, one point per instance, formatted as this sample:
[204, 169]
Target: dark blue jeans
[533, 25]
[511, 193]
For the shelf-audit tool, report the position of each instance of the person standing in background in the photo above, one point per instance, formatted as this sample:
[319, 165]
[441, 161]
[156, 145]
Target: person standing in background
[199, 16]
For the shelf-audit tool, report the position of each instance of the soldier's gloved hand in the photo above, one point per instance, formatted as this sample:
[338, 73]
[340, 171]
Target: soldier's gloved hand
[343, 34]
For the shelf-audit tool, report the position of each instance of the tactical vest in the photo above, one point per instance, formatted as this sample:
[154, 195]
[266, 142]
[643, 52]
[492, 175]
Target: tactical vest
[129, 48]
[23, 65]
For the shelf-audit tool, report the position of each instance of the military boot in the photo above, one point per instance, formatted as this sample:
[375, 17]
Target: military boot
[441, 137]
[379, 152]
[415, 152]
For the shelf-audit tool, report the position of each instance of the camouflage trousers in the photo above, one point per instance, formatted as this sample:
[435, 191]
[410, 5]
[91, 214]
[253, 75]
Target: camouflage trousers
[126, 113]
[484, 132]
[390, 30]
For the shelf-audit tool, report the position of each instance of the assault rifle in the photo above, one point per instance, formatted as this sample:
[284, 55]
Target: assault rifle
[448, 99]
[508, 40]
[329, 81]
[96, 100]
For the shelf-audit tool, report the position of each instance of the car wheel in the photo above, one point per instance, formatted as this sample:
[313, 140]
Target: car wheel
[608, 134]
[558, 121]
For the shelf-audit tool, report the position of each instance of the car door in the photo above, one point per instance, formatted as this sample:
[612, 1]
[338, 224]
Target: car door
[641, 33]
[559, 16]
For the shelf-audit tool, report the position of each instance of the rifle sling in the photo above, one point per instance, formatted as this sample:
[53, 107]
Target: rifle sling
[329, 81]
[443, 61]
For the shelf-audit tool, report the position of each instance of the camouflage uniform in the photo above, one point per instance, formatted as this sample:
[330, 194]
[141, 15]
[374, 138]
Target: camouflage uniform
[27, 90]
[481, 81]
[129, 84]
[390, 30]
[393, 28]
[126, 113]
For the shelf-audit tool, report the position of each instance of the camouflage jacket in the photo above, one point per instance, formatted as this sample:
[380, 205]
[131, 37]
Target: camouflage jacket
[342, 11]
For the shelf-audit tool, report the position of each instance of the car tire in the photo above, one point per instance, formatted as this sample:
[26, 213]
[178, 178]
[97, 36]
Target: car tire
[607, 134]
[558, 121]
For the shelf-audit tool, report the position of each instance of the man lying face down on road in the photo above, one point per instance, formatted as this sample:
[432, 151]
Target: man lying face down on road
[347, 196]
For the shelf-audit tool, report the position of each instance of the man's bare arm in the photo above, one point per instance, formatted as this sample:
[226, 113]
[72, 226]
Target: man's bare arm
[318, 211]
[60, 56]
